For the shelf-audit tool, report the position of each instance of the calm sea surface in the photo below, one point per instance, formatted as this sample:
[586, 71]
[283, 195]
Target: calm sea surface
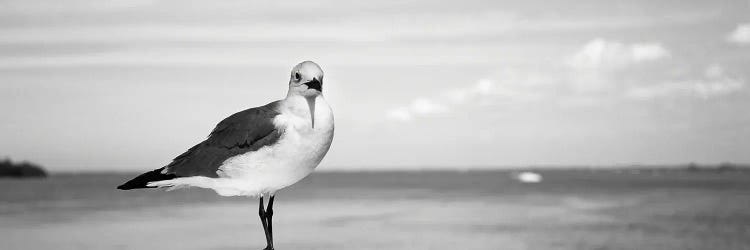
[569, 209]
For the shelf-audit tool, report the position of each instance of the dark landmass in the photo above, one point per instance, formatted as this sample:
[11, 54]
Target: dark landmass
[722, 167]
[21, 170]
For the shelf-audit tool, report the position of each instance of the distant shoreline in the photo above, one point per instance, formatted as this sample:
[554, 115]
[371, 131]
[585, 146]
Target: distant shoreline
[10, 169]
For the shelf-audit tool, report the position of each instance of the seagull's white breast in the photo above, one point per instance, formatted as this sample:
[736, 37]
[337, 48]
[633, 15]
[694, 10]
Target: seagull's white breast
[295, 155]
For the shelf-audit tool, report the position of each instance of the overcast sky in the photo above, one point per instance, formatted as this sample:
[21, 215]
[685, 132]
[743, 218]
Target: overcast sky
[129, 84]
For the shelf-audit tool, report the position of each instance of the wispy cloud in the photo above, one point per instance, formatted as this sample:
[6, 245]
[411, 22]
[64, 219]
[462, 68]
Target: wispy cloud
[596, 64]
[600, 54]
[45, 7]
[713, 83]
[591, 69]
[420, 107]
[510, 86]
[594, 74]
[741, 34]
[446, 101]
[400, 114]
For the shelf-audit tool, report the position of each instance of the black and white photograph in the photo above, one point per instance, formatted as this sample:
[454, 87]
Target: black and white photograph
[339, 125]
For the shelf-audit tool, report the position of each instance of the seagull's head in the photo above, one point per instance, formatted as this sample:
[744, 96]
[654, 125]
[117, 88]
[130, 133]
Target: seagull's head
[306, 79]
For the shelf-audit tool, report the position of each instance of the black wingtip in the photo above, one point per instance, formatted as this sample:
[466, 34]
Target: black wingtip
[129, 186]
[142, 180]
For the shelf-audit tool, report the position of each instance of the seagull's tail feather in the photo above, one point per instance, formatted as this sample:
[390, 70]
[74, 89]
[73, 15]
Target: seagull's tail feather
[144, 179]
[221, 186]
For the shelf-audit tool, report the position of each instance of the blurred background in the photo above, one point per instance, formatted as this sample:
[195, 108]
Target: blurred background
[632, 116]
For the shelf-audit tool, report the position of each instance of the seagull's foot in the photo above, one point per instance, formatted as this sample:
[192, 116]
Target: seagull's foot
[268, 248]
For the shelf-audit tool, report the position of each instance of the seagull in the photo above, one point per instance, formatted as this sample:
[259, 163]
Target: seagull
[258, 151]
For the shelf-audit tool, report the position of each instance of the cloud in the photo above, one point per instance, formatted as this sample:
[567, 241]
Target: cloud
[741, 34]
[713, 83]
[510, 86]
[484, 87]
[483, 92]
[400, 114]
[602, 54]
[647, 52]
[43, 7]
[513, 87]
[600, 72]
[591, 69]
[424, 106]
[419, 107]
[457, 96]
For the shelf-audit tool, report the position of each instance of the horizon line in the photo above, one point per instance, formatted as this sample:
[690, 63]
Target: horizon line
[701, 166]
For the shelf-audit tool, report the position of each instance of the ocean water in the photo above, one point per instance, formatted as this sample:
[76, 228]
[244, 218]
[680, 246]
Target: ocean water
[569, 209]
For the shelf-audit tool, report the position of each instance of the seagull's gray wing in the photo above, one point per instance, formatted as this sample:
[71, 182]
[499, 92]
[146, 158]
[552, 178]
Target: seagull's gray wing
[239, 133]
[245, 131]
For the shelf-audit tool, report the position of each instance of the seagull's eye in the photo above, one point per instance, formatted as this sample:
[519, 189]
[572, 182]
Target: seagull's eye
[296, 76]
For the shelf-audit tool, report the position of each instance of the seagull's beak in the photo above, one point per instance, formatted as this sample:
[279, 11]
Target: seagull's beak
[314, 84]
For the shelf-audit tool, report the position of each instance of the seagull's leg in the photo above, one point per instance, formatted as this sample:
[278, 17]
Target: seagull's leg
[262, 215]
[269, 215]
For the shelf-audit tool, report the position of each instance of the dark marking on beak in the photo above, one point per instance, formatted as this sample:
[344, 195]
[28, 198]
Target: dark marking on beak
[311, 105]
[315, 84]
